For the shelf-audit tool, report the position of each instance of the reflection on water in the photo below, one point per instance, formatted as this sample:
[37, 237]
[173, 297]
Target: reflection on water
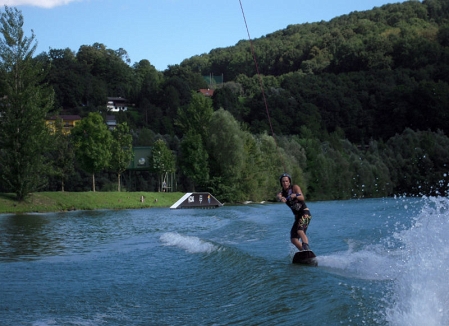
[27, 236]
[30, 236]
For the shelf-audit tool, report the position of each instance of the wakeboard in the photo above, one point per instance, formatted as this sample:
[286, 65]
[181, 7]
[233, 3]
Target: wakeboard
[305, 257]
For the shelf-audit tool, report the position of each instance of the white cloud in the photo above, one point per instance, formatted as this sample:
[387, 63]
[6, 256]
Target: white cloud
[35, 3]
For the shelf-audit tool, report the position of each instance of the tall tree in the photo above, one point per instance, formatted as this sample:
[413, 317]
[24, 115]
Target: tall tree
[193, 160]
[162, 160]
[196, 116]
[63, 154]
[227, 155]
[92, 144]
[121, 150]
[193, 121]
[68, 77]
[25, 102]
[109, 66]
[145, 87]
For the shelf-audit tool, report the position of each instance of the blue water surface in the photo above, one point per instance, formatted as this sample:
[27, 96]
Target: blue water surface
[381, 262]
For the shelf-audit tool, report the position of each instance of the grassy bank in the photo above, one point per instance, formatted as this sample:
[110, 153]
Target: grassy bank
[65, 201]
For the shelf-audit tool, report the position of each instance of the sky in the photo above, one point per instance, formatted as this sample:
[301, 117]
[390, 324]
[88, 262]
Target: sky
[165, 32]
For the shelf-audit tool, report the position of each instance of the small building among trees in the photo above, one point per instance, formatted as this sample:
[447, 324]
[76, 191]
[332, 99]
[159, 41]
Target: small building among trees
[117, 104]
[68, 122]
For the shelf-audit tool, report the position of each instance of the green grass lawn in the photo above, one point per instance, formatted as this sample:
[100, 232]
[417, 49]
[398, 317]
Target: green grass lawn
[65, 201]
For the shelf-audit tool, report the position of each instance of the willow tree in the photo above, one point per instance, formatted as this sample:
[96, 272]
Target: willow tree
[24, 104]
[227, 155]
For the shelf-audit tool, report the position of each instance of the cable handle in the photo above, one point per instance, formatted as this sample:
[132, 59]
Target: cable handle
[289, 196]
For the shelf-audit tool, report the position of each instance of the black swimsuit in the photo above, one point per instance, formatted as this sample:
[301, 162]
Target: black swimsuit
[297, 207]
[301, 212]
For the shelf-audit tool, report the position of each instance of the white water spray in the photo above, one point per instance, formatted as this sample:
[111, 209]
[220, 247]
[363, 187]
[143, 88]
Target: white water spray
[189, 244]
[420, 294]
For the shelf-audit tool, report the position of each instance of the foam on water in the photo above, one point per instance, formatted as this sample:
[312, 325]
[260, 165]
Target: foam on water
[414, 259]
[188, 243]
[420, 294]
[368, 264]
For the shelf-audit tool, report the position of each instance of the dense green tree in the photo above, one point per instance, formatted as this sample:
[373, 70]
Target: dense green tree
[225, 145]
[193, 121]
[121, 150]
[443, 35]
[250, 86]
[145, 89]
[275, 160]
[109, 66]
[193, 159]
[144, 137]
[68, 78]
[312, 148]
[196, 116]
[92, 141]
[63, 154]
[162, 160]
[255, 182]
[24, 104]
[192, 78]
[438, 10]
[198, 63]
[228, 99]
[176, 93]
[418, 162]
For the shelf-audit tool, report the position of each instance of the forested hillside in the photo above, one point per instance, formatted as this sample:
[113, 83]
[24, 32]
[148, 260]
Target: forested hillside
[369, 73]
[358, 105]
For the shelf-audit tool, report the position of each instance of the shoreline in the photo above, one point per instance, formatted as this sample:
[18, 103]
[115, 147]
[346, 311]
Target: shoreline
[45, 202]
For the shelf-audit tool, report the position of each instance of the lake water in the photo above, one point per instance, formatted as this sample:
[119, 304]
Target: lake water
[381, 262]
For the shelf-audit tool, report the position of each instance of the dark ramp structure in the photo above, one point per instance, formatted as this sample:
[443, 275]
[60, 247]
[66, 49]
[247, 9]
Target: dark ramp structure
[197, 200]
